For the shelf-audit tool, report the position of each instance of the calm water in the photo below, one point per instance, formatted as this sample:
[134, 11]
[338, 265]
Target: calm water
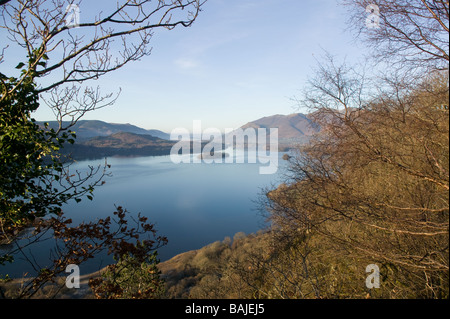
[191, 204]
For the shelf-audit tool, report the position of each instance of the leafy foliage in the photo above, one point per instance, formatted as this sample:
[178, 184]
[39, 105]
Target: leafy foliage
[34, 180]
[131, 241]
[130, 278]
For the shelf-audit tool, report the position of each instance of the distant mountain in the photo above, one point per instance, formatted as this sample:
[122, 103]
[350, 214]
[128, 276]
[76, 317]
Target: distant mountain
[123, 144]
[118, 144]
[98, 139]
[292, 126]
[127, 140]
[86, 129]
[293, 129]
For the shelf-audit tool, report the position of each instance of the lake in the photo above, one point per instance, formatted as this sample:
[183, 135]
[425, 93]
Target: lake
[191, 204]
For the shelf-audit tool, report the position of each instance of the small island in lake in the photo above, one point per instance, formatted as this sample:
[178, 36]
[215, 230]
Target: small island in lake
[213, 155]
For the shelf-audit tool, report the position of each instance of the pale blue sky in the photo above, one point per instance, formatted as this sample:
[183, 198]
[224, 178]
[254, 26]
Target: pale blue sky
[240, 61]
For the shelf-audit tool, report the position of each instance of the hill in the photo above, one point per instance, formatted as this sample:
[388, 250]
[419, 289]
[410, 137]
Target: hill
[127, 140]
[293, 129]
[98, 139]
[294, 126]
[86, 129]
[119, 144]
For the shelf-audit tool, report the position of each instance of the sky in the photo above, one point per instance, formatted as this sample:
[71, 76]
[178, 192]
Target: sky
[241, 60]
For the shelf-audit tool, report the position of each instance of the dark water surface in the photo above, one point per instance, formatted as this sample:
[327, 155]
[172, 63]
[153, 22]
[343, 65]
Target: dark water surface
[191, 204]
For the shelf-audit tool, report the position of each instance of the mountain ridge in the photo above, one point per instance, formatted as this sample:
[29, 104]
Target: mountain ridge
[118, 144]
[292, 126]
[86, 129]
[293, 129]
[97, 139]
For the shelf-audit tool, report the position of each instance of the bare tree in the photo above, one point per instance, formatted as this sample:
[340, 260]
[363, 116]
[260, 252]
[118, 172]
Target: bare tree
[406, 32]
[373, 186]
[62, 55]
